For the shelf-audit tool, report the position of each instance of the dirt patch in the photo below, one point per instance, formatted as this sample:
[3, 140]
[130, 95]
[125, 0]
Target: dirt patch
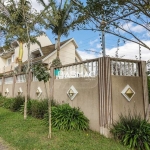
[4, 145]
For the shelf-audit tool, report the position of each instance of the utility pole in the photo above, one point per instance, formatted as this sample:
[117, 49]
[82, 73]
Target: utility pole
[103, 24]
[139, 52]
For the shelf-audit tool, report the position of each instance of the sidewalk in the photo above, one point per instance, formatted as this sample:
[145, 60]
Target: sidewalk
[3, 145]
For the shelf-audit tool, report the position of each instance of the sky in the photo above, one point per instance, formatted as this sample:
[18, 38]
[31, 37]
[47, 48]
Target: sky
[89, 43]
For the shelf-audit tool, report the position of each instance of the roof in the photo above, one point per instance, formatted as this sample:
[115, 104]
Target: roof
[46, 50]
[51, 48]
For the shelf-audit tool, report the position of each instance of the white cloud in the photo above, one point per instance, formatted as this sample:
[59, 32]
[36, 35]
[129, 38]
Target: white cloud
[38, 6]
[92, 42]
[88, 55]
[130, 50]
[98, 46]
[131, 27]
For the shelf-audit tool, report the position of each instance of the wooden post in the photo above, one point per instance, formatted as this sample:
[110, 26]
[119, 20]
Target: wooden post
[145, 89]
[13, 86]
[2, 84]
[105, 95]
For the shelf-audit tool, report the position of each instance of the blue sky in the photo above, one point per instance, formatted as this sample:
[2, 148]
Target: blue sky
[89, 40]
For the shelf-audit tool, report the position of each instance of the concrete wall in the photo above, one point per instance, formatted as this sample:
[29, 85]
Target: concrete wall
[86, 99]
[120, 103]
[33, 89]
[10, 88]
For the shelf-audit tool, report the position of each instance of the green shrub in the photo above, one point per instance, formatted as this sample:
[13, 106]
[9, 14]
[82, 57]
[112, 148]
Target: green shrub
[2, 99]
[38, 108]
[8, 103]
[132, 131]
[17, 103]
[67, 118]
[148, 81]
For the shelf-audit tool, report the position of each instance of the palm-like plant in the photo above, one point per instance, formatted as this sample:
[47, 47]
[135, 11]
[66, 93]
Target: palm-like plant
[61, 18]
[18, 24]
[20, 18]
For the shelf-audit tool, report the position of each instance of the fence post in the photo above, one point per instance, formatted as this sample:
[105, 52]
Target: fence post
[2, 84]
[13, 86]
[105, 95]
[145, 89]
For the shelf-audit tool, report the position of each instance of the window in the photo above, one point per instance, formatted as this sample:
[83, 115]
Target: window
[12, 58]
[21, 78]
[34, 78]
[9, 80]
[36, 53]
[9, 61]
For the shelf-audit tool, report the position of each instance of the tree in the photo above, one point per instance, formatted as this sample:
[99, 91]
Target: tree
[19, 23]
[42, 74]
[60, 18]
[118, 17]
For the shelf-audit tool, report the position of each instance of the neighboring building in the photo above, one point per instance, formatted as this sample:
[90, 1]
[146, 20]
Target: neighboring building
[44, 54]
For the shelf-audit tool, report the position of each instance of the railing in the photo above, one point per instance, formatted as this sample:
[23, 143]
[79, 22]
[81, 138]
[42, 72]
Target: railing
[21, 78]
[8, 80]
[88, 68]
[124, 67]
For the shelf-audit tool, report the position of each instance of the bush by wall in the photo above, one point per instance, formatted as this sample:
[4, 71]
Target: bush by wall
[66, 118]
[132, 131]
[17, 103]
[36, 108]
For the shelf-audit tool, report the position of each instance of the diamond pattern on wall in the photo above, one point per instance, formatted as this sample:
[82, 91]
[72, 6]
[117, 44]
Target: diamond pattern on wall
[128, 93]
[72, 92]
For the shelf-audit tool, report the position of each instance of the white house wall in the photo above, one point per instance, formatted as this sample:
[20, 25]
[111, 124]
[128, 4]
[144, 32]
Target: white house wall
[3, 63]
[66, 54]
[44, 40]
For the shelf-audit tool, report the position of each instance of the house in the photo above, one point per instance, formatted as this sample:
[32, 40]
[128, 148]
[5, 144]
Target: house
[15, 84]
[44, 54]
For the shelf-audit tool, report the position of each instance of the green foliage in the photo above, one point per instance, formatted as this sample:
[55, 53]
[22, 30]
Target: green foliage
[148, 82]
[132, 131]
[56, 63]
[31, 134]
[36, 108]
[8, 103]
[17, 103]
[41, 72]
[39, 108]
[18, 15]
[66, 118]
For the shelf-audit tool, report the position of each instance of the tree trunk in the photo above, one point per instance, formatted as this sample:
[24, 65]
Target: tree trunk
[46, 90]
[58, 46]
[51, 85]
[27, 82]
[26, 97]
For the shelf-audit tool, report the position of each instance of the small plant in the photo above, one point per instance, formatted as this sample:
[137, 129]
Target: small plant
[66, 118]
[8, 103]
[132, 131]
[38, 108]
[17, 103]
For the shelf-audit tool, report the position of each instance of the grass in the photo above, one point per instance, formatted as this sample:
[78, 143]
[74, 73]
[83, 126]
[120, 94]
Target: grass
[31, 134]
